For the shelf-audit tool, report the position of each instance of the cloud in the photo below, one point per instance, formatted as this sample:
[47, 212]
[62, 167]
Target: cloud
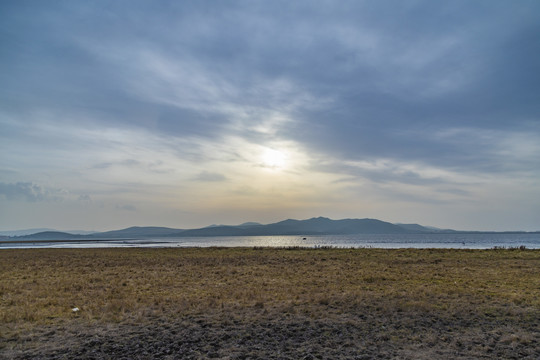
[183, 98]
[357, 81]
[30, 192]
[126, 207]
[127, 163]
[209, 176]
[84, 199]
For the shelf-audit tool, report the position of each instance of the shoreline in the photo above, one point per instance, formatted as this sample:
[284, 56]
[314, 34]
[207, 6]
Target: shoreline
[237, 303]
[382, 241]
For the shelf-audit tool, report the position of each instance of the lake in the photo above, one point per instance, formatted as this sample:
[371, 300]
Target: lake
[391, 241]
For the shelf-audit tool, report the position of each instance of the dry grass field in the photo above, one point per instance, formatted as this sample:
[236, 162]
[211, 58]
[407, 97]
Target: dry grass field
[239, 303]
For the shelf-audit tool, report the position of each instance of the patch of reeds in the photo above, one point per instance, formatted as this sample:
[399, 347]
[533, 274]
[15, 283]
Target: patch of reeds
[521, 248]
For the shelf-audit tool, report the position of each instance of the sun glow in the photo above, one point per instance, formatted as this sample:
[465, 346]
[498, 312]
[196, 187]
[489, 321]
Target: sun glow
[273, 159]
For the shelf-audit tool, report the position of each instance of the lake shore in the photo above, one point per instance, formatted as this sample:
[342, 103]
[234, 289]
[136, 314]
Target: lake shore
[291, 303]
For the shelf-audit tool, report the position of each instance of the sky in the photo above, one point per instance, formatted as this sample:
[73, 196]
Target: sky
[190, 113]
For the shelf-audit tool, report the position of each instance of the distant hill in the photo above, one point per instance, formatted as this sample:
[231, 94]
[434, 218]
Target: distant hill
[51, 235]
[139, 232]
[249, 224]
[325, 226]
[219, 230]
[413, 227]
[420, 228]
[313, 226]
[24, 232]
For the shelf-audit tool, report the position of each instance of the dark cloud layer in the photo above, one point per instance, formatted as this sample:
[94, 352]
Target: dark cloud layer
[385, 68]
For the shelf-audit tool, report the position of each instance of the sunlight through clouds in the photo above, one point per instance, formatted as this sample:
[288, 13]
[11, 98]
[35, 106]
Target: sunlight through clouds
[248, 111]
[274, 159]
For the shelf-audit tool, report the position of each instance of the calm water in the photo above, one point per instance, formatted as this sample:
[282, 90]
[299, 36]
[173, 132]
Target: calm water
[457, 241]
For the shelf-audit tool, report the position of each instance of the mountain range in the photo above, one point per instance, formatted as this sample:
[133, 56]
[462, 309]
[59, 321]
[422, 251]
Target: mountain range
[313, 226]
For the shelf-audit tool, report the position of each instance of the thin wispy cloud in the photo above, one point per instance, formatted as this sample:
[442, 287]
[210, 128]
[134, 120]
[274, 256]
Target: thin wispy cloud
[208, 176]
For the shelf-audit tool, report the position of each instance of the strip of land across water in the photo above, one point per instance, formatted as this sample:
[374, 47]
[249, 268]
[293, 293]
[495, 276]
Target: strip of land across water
[268, 303]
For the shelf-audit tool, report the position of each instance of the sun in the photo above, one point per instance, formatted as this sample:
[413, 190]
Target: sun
[273, 159]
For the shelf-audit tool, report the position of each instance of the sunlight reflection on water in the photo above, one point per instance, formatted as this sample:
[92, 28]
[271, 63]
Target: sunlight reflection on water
[457, 241]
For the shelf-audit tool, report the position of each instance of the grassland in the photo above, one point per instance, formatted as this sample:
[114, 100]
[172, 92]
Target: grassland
[240, 303]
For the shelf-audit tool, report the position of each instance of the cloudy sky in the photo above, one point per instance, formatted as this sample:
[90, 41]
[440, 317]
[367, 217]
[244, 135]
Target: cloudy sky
[184, 114]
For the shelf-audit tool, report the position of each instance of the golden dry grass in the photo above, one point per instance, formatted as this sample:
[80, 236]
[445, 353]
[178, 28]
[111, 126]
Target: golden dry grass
[41, 286]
